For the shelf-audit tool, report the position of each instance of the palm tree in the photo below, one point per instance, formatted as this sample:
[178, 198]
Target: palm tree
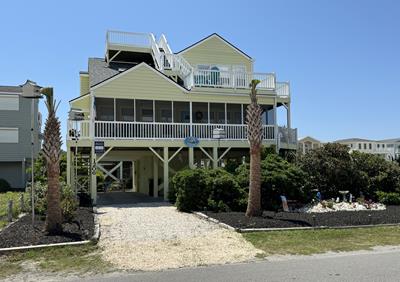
[51, 151]
[254, 135]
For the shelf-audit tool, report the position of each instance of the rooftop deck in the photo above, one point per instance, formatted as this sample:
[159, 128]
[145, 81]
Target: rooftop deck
[165, 60]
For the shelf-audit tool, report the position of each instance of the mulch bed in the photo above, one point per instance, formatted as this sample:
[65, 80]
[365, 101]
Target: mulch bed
[22, 233]
[294, 219]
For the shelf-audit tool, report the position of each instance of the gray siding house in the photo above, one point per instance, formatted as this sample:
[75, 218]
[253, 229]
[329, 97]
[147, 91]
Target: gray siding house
[15, 133]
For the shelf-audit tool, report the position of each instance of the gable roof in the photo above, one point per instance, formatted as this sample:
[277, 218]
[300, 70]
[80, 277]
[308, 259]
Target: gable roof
[219, 37]
[353, 140]
[309, 138]
[143, 64]
[99, 71]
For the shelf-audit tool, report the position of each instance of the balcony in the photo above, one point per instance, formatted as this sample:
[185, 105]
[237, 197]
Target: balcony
[231, 79]
[117, 130]
[128, 39]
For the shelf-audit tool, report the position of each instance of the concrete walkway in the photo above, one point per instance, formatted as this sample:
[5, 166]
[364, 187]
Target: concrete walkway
[155, 236]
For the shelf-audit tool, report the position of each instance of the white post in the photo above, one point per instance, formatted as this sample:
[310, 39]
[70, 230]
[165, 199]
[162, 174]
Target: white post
[276, 126]
[134, 188]
[191, 157]
[93, 180]
[166, 174]
[121, 170]
[191, 118]
[215, 157]
[155, 176]
[289, 121]
[68, 165]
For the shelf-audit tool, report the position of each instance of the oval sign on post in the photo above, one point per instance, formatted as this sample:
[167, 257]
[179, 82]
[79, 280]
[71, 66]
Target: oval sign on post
[191, 141]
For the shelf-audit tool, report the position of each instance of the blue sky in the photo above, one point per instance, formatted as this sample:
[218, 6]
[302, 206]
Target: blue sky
[341, 57]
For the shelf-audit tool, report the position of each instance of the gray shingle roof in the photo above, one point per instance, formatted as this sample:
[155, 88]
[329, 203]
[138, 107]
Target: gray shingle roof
[353, 140]
[99, 71]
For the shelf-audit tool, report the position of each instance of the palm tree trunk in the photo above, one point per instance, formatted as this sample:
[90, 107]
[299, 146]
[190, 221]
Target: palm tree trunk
[51, 151]
[254, 203]
[254, 135]
[54, 215]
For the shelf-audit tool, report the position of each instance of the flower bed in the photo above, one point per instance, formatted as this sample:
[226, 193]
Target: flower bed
[391, 215]
[22, 233]
[342, 206]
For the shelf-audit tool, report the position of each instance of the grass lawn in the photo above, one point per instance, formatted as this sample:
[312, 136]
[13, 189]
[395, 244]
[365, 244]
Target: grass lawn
[69, 259]
[307, 242]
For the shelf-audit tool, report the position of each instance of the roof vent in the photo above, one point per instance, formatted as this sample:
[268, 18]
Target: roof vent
[121, 69]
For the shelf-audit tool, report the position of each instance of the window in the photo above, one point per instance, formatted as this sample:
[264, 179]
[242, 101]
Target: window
[365, 146]
[234, 113]
[125, 109]
[8, 135]
[217, 113]
[9, 102]
[359, 146]
[383, 145]
[163, 111]
[144, 110]
[200, 112]
[181, 112]
[351, 145]
[378, 145]
[104, 109]
[370, 146]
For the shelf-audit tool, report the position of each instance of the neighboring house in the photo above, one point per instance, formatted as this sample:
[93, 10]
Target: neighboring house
[307, 144]
[15, 133]
[389, 149]
[156, 111]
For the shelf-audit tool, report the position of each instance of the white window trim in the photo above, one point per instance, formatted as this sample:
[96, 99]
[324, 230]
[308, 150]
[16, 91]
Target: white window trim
[14, 96]
[10, 129]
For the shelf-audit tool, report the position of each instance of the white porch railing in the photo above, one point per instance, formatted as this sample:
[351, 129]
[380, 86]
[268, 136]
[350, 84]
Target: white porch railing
[288, 135]
[231, 79]
[179, 65]
[283, 89]
[128, 38]
[154, 130]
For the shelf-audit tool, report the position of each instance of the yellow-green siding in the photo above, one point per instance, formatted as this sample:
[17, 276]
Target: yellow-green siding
[140, 82]
[144, 83]
[84, 84]
[216, 51]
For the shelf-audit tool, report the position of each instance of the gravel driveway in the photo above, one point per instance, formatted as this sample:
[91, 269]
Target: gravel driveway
[155, 236]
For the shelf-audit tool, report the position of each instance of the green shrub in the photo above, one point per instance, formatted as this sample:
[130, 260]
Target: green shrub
[214, 189]
[278, 177]
[332, 168]
[373, 173]
[15, 197]
[191, 186]
[4, 185]
[388, 198]
[328, 169]
[225, 193]
[69, 202]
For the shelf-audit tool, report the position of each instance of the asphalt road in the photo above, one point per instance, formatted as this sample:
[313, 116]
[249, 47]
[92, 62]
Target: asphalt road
[377, 266]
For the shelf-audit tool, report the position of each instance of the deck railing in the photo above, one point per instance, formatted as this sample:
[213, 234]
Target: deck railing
[129, 38]
[283, 89]
[231, 79]
[158, 130]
